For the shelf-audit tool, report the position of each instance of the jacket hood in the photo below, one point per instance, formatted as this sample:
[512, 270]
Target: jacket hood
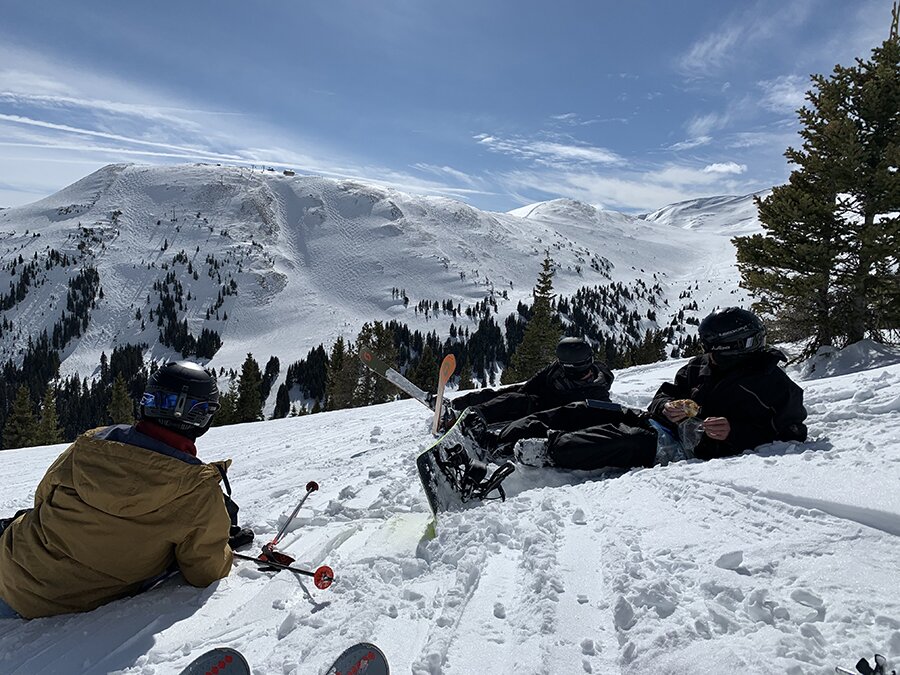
[127, 481]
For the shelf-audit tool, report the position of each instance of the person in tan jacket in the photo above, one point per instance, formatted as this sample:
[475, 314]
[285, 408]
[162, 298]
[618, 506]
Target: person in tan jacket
[123, 505]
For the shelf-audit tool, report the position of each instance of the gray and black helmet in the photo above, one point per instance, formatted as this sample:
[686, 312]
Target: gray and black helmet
[182, 396]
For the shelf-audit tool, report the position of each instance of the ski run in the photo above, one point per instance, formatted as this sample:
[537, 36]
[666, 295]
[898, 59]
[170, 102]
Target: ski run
[782, 561]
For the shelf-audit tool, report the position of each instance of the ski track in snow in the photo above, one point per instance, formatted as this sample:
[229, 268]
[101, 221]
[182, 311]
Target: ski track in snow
[779, 561]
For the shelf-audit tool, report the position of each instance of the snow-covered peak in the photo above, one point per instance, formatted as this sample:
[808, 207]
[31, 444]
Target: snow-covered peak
[735, 214]
[310, 259]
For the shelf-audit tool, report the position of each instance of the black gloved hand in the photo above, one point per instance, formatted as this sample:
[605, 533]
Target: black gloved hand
[239, 536]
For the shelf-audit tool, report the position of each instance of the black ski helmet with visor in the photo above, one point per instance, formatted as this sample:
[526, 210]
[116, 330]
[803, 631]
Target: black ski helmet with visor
[575, 355]
[731, 333]
[181, 396]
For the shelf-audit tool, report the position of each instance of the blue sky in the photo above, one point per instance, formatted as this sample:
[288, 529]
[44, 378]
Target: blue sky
[626, 105]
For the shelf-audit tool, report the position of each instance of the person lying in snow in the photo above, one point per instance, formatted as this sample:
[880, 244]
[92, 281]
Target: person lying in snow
[732, 398]
[575, 376]
[124, 505]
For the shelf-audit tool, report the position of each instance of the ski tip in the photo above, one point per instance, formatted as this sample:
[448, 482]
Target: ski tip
[363, 657]
[323, 577]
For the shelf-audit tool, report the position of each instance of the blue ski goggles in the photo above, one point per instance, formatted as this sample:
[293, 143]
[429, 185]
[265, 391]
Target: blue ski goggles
[178, 406]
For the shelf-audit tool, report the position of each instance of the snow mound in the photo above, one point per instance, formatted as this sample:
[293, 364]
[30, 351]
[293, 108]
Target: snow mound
[862, 355]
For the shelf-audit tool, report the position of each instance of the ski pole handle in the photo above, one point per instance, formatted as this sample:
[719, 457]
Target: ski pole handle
[311, 487]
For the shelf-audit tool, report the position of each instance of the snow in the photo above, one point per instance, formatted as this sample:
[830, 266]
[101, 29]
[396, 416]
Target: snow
[779, 561]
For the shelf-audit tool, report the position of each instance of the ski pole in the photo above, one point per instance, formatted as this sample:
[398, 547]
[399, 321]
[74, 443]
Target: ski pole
[323, 576]
[311, 487]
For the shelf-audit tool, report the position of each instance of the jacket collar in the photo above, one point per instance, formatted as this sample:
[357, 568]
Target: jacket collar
[167, 436]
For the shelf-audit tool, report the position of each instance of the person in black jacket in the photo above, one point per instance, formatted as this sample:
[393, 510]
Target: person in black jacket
[744, 398]
[574, 376]
[732, 398]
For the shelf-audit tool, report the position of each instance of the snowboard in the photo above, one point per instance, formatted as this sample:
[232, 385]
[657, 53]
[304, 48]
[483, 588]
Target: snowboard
[454, 474]
[218, 661]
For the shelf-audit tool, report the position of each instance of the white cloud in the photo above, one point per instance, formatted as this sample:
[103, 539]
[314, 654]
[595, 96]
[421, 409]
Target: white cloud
[691, 143]
[551, 153]
[784, 94]
[629, 189]
[703, 125]
[455, 174]
[725, 167]
[743, 32]
[710, 53]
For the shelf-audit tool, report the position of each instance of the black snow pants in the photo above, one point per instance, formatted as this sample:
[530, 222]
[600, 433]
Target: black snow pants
[585, 437]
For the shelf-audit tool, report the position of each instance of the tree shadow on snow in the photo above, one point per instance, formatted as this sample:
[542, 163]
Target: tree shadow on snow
[110, 638]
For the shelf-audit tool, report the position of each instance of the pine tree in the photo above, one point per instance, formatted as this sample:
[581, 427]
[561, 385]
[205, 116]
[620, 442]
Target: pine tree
[827, 267]
[225, 415]
[542, 333]
[248, 407]
[21, 426]
[373, 389]
[425, 375]
[342, 377]
[48, 429]
[282, 402]
[465, 377]
[121, 406]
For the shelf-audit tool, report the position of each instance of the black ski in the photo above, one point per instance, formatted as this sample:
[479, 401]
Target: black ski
[221, 660]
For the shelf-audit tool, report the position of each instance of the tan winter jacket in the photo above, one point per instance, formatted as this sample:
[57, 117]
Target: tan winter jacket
[109, 516]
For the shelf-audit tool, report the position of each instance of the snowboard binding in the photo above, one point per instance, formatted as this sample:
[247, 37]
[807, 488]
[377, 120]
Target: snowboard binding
[469, 477]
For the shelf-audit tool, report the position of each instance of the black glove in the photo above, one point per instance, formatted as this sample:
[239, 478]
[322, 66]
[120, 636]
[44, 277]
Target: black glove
[239, 536]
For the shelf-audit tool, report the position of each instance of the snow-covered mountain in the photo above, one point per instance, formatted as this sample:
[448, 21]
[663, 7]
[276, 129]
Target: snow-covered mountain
[277, 264]
[780, 561]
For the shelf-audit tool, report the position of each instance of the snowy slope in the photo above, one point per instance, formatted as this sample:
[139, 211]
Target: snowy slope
[314, 258]
[783, 561]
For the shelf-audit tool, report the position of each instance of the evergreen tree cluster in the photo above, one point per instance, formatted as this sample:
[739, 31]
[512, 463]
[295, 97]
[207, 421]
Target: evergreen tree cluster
[38, 408]
[243, 402]
[827, 268]
[175, 333]
[81, 297]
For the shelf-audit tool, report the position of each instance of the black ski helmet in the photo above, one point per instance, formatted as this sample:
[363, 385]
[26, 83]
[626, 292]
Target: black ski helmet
[181, 396]
[575, 355]
[732, 332]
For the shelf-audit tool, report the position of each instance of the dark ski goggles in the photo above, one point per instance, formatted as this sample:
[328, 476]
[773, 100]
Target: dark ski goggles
[178, 406]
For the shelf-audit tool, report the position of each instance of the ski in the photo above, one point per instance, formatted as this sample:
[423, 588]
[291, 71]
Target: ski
[376, 365]
[322, 576]
[433, 402]
[221, 660]
[454, 475]
[448, 365]
[363, 657]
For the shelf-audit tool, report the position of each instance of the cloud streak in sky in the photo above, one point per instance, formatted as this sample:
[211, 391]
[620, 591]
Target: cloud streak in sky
[547, 152]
